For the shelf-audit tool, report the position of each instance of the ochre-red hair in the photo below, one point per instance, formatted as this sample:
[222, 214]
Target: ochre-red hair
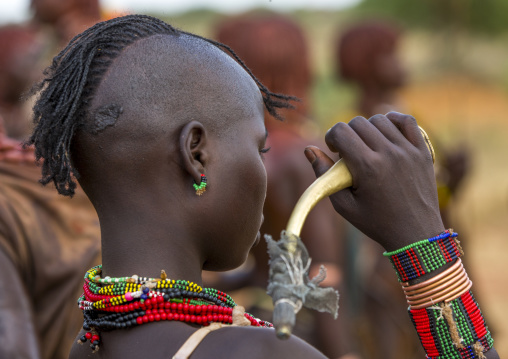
[274, 48]
[359, 46]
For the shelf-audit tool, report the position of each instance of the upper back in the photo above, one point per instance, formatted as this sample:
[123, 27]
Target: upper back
[163, 339]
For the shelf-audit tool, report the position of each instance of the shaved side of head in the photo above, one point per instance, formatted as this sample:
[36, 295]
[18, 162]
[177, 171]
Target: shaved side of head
[68, 99]
[155, 87]
[161, 82]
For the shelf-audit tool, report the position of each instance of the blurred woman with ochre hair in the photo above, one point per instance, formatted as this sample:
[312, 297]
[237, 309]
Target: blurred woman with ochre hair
[275, 49]
[366, 55]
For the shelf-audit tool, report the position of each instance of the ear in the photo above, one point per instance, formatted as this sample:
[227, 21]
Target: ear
[193, 149]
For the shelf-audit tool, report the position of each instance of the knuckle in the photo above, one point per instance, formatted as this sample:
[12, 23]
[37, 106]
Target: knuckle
[341, 126]
[371, 164]
[401, 118]
[335, 130]
[408, 119]
[356, 121]
[378, 119]
[394, 153]
[370, 169]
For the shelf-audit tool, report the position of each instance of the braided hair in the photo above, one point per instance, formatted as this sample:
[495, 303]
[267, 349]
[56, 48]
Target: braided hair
[70, 82]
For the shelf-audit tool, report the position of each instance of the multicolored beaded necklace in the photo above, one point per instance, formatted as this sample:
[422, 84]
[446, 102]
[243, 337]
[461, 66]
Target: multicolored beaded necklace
[125, 302]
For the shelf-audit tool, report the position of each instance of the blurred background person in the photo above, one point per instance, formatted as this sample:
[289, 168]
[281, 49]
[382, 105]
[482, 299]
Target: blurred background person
[456, 55]
[367, 56]
[26, 49]
[47, 241]
[20, 50]
[65, 19]
[275, 49]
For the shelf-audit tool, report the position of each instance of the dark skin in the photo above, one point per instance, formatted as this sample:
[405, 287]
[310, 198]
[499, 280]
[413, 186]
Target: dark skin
[213, 123]
[282, 63]
[379, 80]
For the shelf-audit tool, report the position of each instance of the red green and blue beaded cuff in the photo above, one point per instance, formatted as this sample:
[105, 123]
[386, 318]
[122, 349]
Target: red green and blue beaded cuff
[455, 330]
[425, 256]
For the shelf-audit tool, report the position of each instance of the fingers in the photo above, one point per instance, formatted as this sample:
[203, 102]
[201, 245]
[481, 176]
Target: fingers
[409, 128]
[369, 133]
[343, 201]
[343, 138]
[318, 159]
[354, 140]
[388, 129]
[376, 133]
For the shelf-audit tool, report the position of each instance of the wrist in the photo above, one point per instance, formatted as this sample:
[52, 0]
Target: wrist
[425, 256]
[443, 310]
[412, 234]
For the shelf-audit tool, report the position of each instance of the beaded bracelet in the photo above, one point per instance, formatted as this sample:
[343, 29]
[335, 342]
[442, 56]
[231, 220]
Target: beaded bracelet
[425, 256]
[443, 310]
[453, 330]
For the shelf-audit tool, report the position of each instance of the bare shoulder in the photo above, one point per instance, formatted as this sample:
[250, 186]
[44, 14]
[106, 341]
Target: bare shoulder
[161, 340]
[252, 342]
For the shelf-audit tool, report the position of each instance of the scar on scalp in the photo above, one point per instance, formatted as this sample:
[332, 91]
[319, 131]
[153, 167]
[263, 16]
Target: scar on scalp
[105, 116]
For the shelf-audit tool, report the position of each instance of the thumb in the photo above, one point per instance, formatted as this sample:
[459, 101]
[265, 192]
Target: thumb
[318, 159]
[343, 201]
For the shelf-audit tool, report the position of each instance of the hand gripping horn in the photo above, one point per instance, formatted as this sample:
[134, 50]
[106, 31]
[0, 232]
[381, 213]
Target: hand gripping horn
[289, 284]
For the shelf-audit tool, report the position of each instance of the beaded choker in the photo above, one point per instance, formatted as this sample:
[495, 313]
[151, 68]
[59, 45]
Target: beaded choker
[124, 302]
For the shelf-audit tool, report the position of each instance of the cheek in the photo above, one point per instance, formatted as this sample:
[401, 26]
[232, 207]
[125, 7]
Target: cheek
[259, 177]
[254, 193]
[245, 192]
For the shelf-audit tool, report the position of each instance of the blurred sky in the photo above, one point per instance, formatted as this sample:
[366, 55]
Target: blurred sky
[18, 10]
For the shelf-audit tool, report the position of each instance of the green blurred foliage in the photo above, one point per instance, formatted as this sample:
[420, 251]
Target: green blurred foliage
[479, 16]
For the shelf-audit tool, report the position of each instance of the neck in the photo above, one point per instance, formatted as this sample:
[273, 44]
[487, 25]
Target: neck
[375, 100]
[144, 242]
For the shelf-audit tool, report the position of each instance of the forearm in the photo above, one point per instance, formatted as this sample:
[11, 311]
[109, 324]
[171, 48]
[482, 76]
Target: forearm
[393, 200]
[442, 307]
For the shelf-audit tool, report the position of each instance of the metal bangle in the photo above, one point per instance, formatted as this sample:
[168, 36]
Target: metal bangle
[438, 284]
[443, 292]
[445, 273]
[446, 298]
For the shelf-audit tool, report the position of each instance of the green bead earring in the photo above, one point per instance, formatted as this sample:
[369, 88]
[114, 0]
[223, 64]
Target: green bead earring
[201, 187]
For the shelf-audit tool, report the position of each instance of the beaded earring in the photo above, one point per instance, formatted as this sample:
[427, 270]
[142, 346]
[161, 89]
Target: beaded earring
[201, 187]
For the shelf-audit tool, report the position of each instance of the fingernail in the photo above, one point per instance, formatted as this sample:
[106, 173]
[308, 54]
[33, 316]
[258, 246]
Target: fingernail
[311, 156]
